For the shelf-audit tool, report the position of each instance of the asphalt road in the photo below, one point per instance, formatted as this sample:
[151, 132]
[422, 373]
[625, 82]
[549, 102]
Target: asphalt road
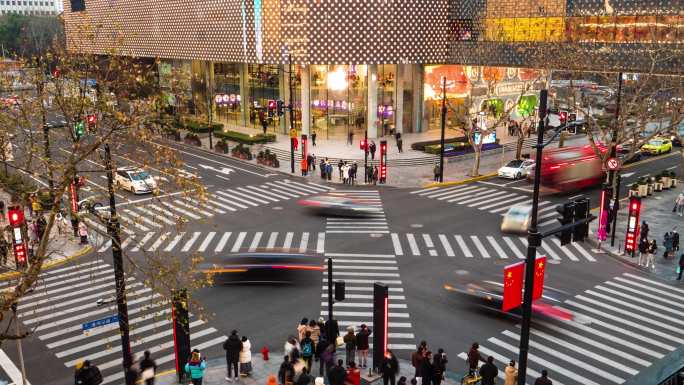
[417, 245]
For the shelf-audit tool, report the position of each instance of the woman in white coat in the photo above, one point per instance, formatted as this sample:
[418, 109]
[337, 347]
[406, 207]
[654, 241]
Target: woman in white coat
[246, 357]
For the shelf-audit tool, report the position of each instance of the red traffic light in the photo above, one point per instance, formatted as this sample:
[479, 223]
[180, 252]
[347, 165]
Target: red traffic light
[363, 144]
[272, 104]
[563, 115]
[16, 217]
[92, 119]
[20, 253]
[56, 73]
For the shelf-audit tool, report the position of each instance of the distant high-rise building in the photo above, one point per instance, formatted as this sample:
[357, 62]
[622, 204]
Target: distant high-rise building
[31, 7]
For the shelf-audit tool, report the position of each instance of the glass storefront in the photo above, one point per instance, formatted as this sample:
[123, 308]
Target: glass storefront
[264, 86]
[227, 99]
[175, 82]
[386, 98]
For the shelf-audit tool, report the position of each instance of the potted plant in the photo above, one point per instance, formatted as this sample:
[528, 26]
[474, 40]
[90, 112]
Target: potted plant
[633, 190]
[673, 179]
[643, 186]
[665, 178]
[221, 146]
[242, 152]
[658, 185]
[192, 139]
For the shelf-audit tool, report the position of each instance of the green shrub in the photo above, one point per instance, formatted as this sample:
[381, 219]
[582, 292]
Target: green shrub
[16, 185]
[198, 126]
[241, 151]
[243, 138]
[448, 146]
[221, 146]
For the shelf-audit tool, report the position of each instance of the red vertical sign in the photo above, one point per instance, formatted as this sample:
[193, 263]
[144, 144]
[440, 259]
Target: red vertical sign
[539, 270]
[304, 145]
[74, 202]
[513, 284]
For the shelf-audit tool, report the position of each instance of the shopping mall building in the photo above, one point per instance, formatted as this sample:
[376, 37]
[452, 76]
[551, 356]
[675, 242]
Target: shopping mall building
[353, 65]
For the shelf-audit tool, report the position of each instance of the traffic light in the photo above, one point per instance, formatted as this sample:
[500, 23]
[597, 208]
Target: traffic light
[280, 107]
[383, 161]
[563, 117]
[79, 129]
[567, 211]
[20, 255]
[16, 216]
[363, 145]
[633, 224]
[581, 212]
[271, 107]
[92, 121]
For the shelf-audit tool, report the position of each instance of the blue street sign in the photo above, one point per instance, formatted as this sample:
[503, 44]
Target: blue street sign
[100, 322]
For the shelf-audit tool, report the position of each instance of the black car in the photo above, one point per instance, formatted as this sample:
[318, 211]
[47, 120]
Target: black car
[265, 266]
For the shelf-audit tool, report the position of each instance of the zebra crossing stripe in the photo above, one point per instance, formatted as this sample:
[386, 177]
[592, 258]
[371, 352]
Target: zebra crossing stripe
[430, 245]
[304, 241]
[514, 248]
[424, 190]
[544, 363]
[180, 210]
[143, 241]
[222, 199]
[174, 242]
[480, 246]
[461, 243]
[656, 283]
[127, 222]
[584, 253]
[222, 242]
[213, 202]
[506, 203]
[137, 218]
[105, 246]
[641, 292]
[547, 208]
[320, 243]
[190, 241]
[127, 242]
[446, 245]
[155, 216]
[192, 207]
[265, 194]
[473, 202]
[549, 250]
[255, 241]
[636, 299]
[447, 191]
[294, 188]
[412, 244]
[159, 241]
[279, 190]
[240, 198]
[272, 240]
[397, 244]
[589, 341]
[316, 185]
[496, 247]
[460, 194]
[287, 244]
[565, 250]
[207, 240]
[238, 242]
[165, 211]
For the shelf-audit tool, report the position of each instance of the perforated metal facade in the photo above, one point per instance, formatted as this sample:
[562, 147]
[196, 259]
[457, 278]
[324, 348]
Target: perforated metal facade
[270, 31]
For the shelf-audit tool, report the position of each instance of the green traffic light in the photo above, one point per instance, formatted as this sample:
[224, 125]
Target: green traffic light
[79, 129]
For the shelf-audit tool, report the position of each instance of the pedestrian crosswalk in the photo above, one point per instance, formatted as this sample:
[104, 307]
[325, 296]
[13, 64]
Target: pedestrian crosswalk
[370, 224]
[67, 297]
[619, 328]
[484, 246]
[482, 196]
[219, 241]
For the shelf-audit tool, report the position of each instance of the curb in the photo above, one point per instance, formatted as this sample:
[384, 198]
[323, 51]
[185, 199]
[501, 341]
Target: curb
[52, 263]
[458, 182]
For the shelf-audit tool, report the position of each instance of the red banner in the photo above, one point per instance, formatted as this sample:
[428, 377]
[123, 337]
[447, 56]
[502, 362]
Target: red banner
[539, 270]
[74, 199]
[513, 284]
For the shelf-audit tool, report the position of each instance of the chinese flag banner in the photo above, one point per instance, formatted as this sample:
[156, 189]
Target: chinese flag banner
[539, 270]
[513, 284]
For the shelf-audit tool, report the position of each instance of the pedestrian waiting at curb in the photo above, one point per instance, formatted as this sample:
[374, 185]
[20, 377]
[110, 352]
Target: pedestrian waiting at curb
[286, 372]
[389, 368]
[652, 250]
[304, 377]
[308, 349]
[544, 379]
[148, 368]
[644, 247]
[667, 243]
[196, 367]
[439, 366]
[489, 372]
[232, 346]
[362, 345]
[643, 232]
[511, 374]
[246, 357]
[87, 374]
[337, 374]
[350, 344]
[436, 172]
[83, 232]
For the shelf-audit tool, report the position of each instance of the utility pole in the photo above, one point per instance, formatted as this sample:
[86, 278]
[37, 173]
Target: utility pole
[114, 231]
[210, 97]
[365, 155]
[330, 300]
[613, 175]
[441, 140]
[292, 118]
[533, 241]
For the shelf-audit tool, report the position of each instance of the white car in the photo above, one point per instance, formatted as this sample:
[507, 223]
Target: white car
[517, 219]
[516, 169]
[135, 180]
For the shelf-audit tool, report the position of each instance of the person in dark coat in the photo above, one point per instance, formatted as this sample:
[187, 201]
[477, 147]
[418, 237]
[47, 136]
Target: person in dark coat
[337, 374]
[644, 230]
[286, 371]
[148, 363]
[362, 345]
[372, 149]
[232, 346]
[320, 348]
[87, 374]
[681, 267]
[474, 357]
[417, 358]
[667, 242]
[675, 240]
[439, 366]
[643, 251]
[426, 369]
[489, 372]
[304, 377]
[544, 379]
[389, 368]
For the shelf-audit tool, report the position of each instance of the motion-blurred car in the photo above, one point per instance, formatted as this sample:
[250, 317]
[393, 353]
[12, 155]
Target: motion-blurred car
[516, 169]
[339, 206]
[265, 266]
[657, 146]
[486, 290]
[135, 180]
[517, 219]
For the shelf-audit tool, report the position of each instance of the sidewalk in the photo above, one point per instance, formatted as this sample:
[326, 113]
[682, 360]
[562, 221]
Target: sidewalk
[414, 170]
[656, 210]
[217, 370]
[61, 248]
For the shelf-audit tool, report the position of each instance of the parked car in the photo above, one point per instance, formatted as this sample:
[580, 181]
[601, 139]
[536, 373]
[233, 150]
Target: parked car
[135, 180]
[516, 169]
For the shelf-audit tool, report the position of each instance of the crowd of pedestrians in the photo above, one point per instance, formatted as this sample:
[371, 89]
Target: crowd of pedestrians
[489, 372]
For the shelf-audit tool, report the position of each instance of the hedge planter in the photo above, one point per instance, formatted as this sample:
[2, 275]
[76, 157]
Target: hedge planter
[268, 158]
[221, 147]
[243, 138]
[192, 139]
[241, 152]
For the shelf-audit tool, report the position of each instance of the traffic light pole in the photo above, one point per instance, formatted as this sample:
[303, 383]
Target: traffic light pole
[612, 175]
[365, 155]
[330, 290]
[615, 208]
[441, 140]
[114, 231]
[533, 241]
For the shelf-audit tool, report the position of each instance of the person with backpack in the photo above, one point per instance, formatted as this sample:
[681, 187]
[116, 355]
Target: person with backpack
[337, 374]
[196, 367]
[308, 349]
[362, 345]
[286, 372]
[350, 344]
[87, 374]
[439, 366]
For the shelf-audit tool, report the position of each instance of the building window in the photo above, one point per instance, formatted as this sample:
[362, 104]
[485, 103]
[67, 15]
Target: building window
[338, 100]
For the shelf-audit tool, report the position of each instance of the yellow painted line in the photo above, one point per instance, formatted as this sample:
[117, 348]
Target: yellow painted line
[50, 264]
[458, 182]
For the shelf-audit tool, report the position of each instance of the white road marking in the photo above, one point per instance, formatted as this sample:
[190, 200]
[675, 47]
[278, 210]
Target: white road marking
[397, 244]
[412, 244]
[190, 241]
[446, 245]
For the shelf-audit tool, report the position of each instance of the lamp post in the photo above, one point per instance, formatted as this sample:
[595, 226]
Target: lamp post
[613, 175]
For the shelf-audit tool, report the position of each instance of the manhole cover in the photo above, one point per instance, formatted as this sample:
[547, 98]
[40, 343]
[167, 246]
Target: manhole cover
[278, 208]
[416, 225]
